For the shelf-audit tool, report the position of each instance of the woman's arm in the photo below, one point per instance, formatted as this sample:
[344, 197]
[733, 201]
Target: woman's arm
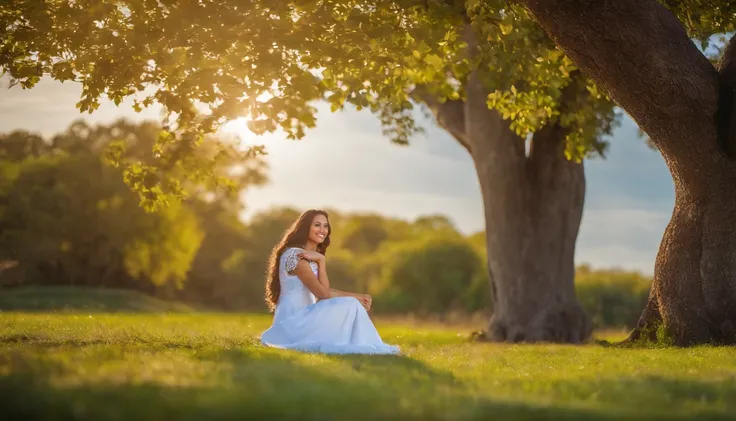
[339, 293]
[324, 280]
[365, 299]
[305, 274]
[321, 262]
[322, 271]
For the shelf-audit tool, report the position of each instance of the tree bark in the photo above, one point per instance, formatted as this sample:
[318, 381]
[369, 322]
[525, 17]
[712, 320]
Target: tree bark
[646, 62]
[533, 207]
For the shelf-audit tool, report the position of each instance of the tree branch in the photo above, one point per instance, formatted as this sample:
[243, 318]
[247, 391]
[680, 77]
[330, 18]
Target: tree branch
[499, 142]
[646, 62]
[450, 115]
[548, 143]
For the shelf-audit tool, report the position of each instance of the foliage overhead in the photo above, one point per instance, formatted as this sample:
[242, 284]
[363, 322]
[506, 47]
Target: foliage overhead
[207, 62]
[703, 18]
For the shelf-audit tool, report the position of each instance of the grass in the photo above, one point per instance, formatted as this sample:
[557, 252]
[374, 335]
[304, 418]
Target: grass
[94, 365]
[211, 366]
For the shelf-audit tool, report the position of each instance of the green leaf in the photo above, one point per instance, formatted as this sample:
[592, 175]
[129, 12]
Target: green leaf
[434, 61]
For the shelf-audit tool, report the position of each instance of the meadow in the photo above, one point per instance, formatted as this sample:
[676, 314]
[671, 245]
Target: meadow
[164, 362]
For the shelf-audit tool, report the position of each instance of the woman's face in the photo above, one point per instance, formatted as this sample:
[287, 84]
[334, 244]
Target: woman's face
[319, 229]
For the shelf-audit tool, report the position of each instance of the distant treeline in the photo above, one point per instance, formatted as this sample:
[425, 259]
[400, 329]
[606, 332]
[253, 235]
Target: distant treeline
[67, 218]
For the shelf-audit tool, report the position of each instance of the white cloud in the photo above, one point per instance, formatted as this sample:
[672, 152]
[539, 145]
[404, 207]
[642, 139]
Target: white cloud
[49, 107]
[621, 238]
[617, 257]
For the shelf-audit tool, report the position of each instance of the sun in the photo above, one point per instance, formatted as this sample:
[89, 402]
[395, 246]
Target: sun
[239, 128]
[273, 143]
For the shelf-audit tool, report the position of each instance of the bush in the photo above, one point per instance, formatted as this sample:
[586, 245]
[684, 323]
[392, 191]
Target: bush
[434, 274]
[70, 220]
[613, 298]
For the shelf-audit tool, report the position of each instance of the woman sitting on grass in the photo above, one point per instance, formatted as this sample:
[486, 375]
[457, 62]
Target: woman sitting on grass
[308, 314]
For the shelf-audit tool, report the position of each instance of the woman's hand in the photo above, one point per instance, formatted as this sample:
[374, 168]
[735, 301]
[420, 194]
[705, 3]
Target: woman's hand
[312, 256]
[366, 300]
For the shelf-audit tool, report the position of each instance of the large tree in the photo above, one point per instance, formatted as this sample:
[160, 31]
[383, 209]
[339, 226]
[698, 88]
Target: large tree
[496, 84]
[647, 60]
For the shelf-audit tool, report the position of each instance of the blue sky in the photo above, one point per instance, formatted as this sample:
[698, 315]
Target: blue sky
[346, 163]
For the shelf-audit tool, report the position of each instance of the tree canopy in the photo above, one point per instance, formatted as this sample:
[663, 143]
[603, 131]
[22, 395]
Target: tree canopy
[210, 61]
[703, 19]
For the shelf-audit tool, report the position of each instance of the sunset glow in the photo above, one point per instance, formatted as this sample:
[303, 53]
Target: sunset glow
[239, 128]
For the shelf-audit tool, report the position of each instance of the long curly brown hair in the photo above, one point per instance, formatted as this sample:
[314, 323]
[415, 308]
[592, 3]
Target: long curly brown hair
[296, 236]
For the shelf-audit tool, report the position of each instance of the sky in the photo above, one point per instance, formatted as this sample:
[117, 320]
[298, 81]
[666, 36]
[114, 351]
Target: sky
[346, 163]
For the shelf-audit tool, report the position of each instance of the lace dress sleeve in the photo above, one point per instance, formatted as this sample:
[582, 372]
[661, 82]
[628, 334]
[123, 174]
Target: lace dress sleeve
[290, 259]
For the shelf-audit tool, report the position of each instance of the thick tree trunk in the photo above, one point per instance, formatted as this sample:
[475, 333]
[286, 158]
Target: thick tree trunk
[645, 60]
[533, 207]
[533, 213]
[694, 290]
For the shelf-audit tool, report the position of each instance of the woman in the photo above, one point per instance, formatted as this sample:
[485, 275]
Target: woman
[308, 314]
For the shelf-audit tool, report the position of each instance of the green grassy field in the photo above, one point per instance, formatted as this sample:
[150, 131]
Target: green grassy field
[204, 366]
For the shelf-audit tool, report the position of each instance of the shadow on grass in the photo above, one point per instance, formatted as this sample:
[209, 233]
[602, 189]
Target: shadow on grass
[44, 341]
[67, 299]
[255, 384]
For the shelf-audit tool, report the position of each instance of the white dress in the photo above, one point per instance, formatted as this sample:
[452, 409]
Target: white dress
[338, 325]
